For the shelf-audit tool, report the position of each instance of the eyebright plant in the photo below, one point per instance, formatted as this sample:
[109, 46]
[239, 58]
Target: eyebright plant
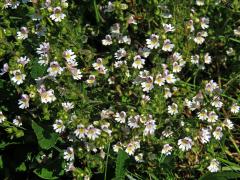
[150, 88]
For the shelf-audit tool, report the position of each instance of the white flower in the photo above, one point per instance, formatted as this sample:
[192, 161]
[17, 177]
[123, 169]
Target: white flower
[205, 135]
[133, 121]
[138, 62]
[58, 126]
[54, 69]
[57, 15]
[24, 101]
[150, 127]
[80, 132]
[115, 29]
[176, 67]
[67, 106]
[18, 77]
[216, 102]
[98, 64]
[235, 108]
[148, 85]
[185, 144]
[23, 60]
[132, 20]
[121, 117]
[200, 2]
[92, 132]
[76, 73]
[204, 22]
[153, 42]
[167, 93]
[214, 166]
[17, 121]
[23, 33]
[237, 31]
[91, 80]
[146, 98]
[117, 147]
[124, 39]
[46, 96]
[195, 59]
[217, 134]
[207, 58]
[168, 27]
[173, 109]
[139, 157]
[107, 41]
[170, 79]
[69, 55]
[167, 45]
[121, 53]
[203, 115]
[43, 59]
[212, 117]
[12, 4]
[228, 123]
[167, 149]
[211, 86]
[68, 154]
[130, 149]
[2, 117]
[145, 52]
[4, 69]
[159, 80]
[43, 48]
[200, 38]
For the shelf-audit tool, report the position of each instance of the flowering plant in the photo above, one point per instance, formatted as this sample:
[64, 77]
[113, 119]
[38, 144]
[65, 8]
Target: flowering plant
[152, 87]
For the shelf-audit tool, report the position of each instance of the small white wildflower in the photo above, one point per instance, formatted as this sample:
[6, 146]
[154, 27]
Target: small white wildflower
[228, 123]
[212, 117]
[235, 108]
[80, 132]
[214, 166]
[170, 79]
[167, 93]
[204, 22]
[200, 2]
[167, 46]
[91, 80]
[237, 31]
[46, 96]
[121, 53]
[185, 144]
[217, 134]
[107, 41]
[150, 127]
[211, 86]
[139, 157]
[2, 117]
[57, 15]
[203, 115]
[17, 121]
[159, 80]
[23, 60]
[133, 121]
[92, 132]
[138, 62]
[148, 84]
[205, 135]
[24, 101]
[120, 117]
[130, 149]
[18, 77]
[167, 149]
[168, 27]
[67, 106]
[173, 109]
[153, 42]
[68, 154]
[23, 33]
[58, 126]
[207, 58]
[54, 69]
[43, 48]
[145, 52]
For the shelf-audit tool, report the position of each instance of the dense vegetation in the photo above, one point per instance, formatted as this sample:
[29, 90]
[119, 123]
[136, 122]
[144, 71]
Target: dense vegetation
[119, 89]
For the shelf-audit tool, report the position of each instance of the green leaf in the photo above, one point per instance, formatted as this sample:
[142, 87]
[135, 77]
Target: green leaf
[45, 173]
[45, 138]
[221, 175]
[120, 165]
[21, 167]
[37, 70]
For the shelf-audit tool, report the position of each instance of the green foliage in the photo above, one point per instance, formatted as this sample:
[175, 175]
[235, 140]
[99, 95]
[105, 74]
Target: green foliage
[120, 171]
[46, 138]
[221, 175]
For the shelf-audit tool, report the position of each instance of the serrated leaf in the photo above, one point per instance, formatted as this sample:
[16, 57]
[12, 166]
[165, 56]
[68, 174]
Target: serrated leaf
[45, 138]
[120, 165]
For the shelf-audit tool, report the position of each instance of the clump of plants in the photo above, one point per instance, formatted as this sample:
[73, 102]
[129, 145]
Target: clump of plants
[119, 89]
